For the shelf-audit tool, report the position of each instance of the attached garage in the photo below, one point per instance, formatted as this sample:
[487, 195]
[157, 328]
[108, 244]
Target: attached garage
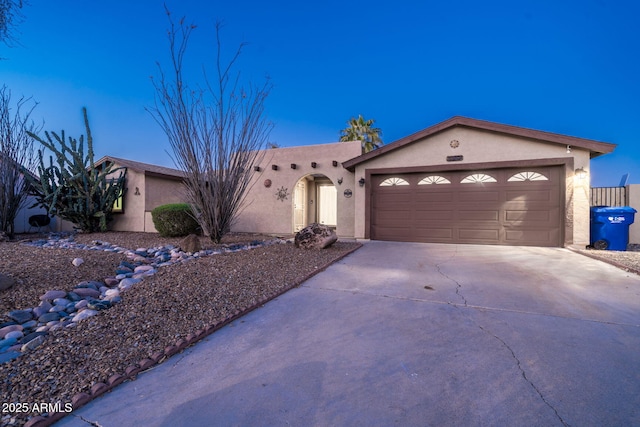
[510, 206]
[468, 181]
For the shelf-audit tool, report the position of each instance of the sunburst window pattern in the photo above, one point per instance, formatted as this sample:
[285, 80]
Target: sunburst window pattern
[528, 176]
[435, 179]
[393, 181]
[478, 177]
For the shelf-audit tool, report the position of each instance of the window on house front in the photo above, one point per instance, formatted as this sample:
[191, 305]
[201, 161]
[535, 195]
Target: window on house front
[118, 206]
[477, 178]
[527, 176]
[393, 181]
[434, 179]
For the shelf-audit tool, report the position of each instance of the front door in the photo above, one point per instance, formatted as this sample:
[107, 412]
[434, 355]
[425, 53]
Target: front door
[299, 201]
[327, 205]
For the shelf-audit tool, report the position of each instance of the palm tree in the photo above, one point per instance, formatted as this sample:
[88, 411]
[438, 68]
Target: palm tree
[362, 130]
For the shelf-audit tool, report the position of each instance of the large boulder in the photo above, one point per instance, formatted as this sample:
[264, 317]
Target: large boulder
[191, 244]
[315, 236]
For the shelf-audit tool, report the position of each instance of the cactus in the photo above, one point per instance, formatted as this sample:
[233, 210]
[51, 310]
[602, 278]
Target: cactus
[75, 189]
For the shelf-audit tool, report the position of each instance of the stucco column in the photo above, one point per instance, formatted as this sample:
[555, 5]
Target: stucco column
[633, 192]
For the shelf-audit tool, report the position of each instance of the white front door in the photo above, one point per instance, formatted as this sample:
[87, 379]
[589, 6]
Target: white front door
[327, 205]
[299, 201]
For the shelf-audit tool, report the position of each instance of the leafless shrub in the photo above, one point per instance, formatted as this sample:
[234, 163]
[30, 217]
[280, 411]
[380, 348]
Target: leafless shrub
[17, 156]
[216, 131]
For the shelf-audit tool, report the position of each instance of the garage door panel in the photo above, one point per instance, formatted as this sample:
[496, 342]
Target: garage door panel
[440, 233]
[390, 216]
[432, 206]
[479, 215]
[527, 216]
[479, 235]
[501, 212]
[478, 195]
[387, 199]
[425, 197]
[540, 236]
[429, 215]
[390, 233]
[531, 196]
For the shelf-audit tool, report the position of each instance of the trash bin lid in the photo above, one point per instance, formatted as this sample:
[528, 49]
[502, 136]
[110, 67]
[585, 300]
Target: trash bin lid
[613, 210]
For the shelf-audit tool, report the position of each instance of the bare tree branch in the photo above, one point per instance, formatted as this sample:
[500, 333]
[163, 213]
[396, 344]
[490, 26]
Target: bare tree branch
[17, 156]
[10, 17]
[216, 132]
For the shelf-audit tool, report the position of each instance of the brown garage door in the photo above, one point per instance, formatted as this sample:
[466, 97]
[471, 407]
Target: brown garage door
[497, 206]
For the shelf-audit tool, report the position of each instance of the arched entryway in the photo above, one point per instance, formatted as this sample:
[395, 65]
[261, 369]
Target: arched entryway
[315, 199]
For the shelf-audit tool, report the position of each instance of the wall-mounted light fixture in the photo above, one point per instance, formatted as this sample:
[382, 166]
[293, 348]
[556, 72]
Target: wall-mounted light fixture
[293, 166]
[256, 168]
[361, 182]
[340, 181]
[335, 163]
[314, 165]
[581, 173]
[274, 167]
[568, 149]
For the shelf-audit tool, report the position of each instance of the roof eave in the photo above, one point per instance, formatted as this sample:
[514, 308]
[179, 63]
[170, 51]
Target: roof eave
[596, 148]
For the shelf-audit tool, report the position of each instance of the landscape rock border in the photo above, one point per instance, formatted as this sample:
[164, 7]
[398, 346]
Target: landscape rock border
[62, 309]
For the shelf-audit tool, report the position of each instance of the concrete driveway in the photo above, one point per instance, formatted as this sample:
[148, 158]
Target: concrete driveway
[412, 335]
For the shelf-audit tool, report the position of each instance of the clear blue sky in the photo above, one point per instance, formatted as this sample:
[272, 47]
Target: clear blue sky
[564, 66]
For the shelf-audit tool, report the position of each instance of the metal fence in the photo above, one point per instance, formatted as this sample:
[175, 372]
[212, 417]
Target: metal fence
[609, 196]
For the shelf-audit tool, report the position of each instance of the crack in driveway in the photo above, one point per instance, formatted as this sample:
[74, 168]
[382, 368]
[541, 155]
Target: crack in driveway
[524, 374]
[458, 285]
[504, 343]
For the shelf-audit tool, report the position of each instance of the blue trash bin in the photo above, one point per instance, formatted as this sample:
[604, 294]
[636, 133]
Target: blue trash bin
[610, 227]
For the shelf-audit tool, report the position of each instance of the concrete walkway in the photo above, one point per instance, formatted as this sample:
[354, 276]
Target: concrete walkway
[411, 335]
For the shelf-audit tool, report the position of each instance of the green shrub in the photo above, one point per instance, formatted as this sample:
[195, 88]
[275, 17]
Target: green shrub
[174, 220]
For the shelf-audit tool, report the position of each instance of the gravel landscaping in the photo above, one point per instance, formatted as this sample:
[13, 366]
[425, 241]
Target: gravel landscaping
[156, 318]
[627, 260]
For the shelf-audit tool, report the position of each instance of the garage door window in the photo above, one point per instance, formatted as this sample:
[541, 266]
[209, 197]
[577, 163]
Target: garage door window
[477, 178]
[393, 181]
[435, 179]
[527, 176]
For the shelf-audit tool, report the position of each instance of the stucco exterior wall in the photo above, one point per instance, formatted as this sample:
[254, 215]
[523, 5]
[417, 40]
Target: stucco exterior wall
[479, 146]
[21, 223]
[270, 209]
[144, 193]
[633, 191]
[160, 191]
[132, 219]
[581, 207]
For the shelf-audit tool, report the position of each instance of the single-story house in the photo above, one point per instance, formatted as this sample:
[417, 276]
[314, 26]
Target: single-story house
[460, 181]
